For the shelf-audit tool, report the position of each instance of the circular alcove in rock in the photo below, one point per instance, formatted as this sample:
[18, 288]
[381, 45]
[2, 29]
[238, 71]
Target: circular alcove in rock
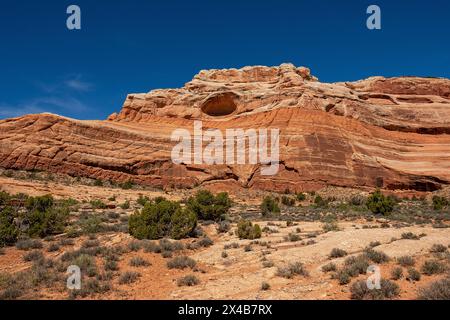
[222, 104]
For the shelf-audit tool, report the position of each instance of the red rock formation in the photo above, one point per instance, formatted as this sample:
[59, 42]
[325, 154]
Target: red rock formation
[392, 133]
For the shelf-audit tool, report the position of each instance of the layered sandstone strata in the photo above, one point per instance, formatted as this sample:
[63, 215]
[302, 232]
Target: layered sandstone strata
[392, 133]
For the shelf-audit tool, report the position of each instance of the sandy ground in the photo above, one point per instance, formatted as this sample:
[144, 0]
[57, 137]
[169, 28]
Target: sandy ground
[240, 274]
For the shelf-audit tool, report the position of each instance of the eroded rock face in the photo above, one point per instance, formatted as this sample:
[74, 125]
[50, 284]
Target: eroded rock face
[391, 133]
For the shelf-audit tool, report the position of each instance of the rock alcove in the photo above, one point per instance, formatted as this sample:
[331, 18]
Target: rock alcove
[220, 105]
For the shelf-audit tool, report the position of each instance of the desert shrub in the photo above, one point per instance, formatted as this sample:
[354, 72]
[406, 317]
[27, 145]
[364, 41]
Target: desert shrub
[376, 256]
[209, 207]
[205, 242]
[4, 198]
[166, 254]
[127, 185]
[406, 261]
[265, 286]
[380, 204]
[66, 242]
[129, 277]
[224, 254]
[90, 287]
[410, 236]
[11, 293]
[246, 230]
[8, 230]
[330, 226]
[44, 217]
[113, 215]
[84, 261]
[52, 221]
[181, 262]
[233, 245]
[90, 244]
[291, 270]
[183, 223]
[360, 291]
[152, 247]
[374, 244]
[337, 253]
[167, 245]
[98, 204]
[301, 196]
[134, 245]
[343, 276]
[267, 264]
[189, 280]
[438, 248]
[396, 273]
[111, 264]
[14, 285]
[439, 202]
[53, 247]
[248, 248]
[91, 224]
[287, 201]
[431, 267]
[292, 237]
[142, 200]
[356, 265]
[125, 205]
[40, 204]
[320, 202]
[112, 198]
[33, 256]
[413, 274]
[27, 244]
[139, 262]
[329, 267]
[269, 206]
[98, 183]
[162, 219]
[223, 226]
[358, 200]
[438, 290]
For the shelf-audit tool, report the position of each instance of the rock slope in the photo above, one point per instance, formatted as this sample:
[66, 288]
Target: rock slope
[392, 133]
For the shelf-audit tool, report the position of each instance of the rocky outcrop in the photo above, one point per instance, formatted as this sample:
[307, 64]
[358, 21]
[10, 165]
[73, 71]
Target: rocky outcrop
[392, 133]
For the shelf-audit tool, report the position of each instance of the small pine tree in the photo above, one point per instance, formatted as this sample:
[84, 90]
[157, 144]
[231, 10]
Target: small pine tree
[8, 230]
[380, 204]
[246, 230]
[269, 206]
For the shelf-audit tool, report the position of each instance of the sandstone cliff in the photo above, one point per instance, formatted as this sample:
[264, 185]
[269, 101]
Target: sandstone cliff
[392, 133]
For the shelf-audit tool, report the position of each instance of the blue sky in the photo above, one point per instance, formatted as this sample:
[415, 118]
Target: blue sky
[136, 45]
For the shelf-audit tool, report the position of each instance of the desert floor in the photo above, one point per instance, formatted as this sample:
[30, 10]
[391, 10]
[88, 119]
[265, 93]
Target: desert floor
[227, 267]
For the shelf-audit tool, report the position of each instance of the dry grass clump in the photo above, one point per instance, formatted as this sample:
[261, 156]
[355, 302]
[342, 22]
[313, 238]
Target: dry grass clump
[139, 262]
[291, 270]
[189, 280]
[129, 277]
[337, 253]
[439, 290]
[181, 262]
[406, 261]
[360, 291]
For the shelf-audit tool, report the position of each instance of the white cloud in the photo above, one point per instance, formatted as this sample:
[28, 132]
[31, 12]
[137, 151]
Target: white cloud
[78, 85]
[58, 97]
[43, 104]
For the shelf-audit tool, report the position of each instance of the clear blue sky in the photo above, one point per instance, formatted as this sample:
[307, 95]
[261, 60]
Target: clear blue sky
[135, 45]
